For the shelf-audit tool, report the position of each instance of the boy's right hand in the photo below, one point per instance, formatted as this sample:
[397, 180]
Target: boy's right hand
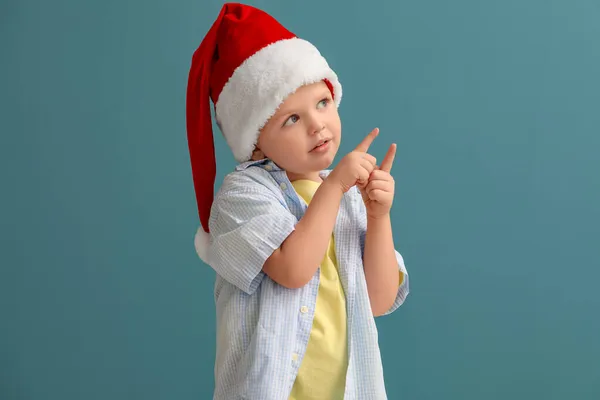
[356, 166]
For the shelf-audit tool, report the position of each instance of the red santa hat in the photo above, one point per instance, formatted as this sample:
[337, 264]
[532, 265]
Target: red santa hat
[247, 64]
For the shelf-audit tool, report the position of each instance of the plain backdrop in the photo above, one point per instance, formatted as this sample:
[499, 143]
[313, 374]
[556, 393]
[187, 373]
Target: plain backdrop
[494, 105]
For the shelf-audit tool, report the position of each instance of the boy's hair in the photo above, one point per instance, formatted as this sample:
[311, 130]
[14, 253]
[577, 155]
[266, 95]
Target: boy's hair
[247, 64]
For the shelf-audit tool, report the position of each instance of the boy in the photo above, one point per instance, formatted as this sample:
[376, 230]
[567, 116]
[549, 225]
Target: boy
[304, 256]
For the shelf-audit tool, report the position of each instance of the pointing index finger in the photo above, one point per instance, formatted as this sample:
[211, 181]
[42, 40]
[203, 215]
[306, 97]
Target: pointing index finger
[388, 161]
[366, 142]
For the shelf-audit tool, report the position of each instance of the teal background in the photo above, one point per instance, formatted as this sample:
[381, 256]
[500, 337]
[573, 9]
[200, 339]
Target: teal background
[494, 106]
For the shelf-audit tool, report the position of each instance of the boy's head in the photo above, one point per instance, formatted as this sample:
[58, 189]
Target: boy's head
[254, 70]
[303, 135]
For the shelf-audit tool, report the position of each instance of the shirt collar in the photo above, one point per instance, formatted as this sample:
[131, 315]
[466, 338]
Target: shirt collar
[270, 166]
[264, 163]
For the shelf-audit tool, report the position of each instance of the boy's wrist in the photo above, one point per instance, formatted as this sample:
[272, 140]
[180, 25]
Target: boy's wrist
[333, 187]
[378, 218]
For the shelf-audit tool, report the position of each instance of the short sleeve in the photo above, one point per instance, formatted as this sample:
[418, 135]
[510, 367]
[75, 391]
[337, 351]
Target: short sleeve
[248, 223]
[403, 279]
[403, 287]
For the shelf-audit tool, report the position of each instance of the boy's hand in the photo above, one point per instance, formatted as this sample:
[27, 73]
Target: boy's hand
[356, 167]
[378, 192]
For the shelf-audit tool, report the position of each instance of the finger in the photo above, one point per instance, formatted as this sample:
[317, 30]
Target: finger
[380, 175]
[386, 164]
[370, 158]
[379, 195]
[378, 185]
[363, 191]
[363, 178]
[366, 164]
[364, 172]
[366, 142]
[362, 186]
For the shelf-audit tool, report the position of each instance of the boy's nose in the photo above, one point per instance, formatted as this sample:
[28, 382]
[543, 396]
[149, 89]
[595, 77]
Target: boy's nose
[316, 126]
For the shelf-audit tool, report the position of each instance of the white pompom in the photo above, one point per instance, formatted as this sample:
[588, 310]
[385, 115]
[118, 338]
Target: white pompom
[202, 242]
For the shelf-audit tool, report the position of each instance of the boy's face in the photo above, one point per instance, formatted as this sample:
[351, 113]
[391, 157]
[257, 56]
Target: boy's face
[291, 137]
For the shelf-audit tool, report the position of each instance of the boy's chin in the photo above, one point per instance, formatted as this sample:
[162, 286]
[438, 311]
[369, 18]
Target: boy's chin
[324, 163]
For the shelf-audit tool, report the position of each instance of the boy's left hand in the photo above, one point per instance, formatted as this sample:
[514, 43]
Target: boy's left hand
[378, 192]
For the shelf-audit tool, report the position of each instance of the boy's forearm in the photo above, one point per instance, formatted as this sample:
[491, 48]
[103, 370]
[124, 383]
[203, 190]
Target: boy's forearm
[295, 262]
[380, 264]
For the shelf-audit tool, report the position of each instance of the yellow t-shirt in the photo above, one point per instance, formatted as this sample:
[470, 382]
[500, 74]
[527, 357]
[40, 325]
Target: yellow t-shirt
[322, 373]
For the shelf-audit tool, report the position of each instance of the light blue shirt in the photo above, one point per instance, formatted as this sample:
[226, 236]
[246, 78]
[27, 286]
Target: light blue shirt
[263, 327]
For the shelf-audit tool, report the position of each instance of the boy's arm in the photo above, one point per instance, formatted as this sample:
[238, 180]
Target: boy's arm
[295, 262]
[381, 265]
[384, 268]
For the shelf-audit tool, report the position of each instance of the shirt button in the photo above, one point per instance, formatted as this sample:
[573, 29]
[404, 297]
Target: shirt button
[268, 167]
[283, 186]
[295, 357]
[303, 309]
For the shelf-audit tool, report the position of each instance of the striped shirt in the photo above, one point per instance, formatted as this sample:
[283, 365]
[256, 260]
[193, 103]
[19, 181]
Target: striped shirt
[263, 327]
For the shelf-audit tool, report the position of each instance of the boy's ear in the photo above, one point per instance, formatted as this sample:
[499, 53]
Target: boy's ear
[257, 154]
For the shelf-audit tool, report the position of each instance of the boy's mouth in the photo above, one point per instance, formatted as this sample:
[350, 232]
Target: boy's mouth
[321, 144]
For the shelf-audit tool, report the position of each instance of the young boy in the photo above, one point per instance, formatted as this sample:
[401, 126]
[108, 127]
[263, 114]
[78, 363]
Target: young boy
[304, 255]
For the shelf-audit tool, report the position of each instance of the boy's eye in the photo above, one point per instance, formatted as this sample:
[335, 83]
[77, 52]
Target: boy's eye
[323, 103]
[293, 119]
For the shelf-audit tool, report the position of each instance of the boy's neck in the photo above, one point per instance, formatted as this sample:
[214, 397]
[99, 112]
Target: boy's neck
[311, 176]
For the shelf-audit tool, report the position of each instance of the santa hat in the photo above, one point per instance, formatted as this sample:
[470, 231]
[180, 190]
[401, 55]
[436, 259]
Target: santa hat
[247, 64]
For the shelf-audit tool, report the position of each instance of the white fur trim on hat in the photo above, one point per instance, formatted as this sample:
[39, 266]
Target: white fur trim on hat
[202, 242]
[259, 86]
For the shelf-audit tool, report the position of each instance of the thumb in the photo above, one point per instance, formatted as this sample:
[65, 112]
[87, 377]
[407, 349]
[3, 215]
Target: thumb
[362, 188]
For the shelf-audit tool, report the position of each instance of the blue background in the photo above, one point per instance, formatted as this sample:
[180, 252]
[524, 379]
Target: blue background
[495, 109]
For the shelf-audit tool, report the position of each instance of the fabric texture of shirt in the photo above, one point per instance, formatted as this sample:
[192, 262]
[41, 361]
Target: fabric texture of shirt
[262, 327]
[322, 372]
